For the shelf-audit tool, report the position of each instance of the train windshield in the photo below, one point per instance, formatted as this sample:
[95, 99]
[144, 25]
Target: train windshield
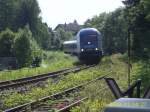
[89, 40]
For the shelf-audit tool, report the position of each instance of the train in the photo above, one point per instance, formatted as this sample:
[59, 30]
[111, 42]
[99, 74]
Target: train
[87, 45]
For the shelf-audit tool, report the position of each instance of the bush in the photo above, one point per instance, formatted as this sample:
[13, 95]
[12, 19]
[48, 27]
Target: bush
[36, 62]
[141, 71]
[22, 46]
[6, 43]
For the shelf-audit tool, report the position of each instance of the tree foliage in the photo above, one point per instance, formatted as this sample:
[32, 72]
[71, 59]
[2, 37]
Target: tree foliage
[16, 14]
[22, 47]
[97, 21]
[6, 43]
[137, 14]
[28, 13]
[7, 14]
[43, 35]
[115, 32]
[59, 36]
[113, 28]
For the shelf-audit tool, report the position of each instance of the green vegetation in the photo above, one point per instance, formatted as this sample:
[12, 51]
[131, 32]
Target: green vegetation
[22, 48]
[112, 66]
[97, 102]
[24, 36]
[6, 43]
[127, 24]
[116, 27]
[113, 27]
[141, 70]
[20, 45]
[60, 36]
[98, 93]
[52, 61]
[132, 21]
[115, 65]
[137, 16]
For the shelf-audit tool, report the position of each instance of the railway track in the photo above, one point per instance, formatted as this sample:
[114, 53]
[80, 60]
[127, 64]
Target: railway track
[13, 84]
[40, 103]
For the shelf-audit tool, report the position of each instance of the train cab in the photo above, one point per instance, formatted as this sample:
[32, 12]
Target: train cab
[89, 43]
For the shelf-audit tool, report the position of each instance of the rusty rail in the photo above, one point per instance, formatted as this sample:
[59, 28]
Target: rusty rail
[29, 80]
[33, 103]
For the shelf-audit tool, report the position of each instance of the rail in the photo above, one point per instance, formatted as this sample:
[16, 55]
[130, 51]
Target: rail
[33, 103]
[34, 79]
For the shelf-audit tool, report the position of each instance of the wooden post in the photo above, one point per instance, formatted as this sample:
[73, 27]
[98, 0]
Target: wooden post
[129, 56]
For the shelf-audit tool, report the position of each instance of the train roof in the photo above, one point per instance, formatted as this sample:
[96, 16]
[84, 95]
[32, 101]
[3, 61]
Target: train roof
[85, 30]
[70, 42]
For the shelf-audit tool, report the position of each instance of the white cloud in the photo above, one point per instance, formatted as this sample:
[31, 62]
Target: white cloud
[61, 11]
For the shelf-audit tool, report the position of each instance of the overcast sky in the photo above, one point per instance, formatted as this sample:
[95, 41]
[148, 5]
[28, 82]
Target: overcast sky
[56, 12]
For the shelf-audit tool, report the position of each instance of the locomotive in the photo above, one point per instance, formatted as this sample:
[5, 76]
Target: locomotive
[87, 46]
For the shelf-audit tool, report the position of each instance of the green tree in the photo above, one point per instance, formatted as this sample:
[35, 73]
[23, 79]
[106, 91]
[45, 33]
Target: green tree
[146, 4]
[28, 13]
[97, 21]
[137, 14]
[6, 43]
[55, 41]
[22, 46]
[113, 28]
[7, 14]
[43, 35]
[60, 36]
[115, 32]
[16, 14]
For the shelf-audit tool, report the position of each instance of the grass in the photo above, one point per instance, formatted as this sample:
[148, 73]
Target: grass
[141, 70]
[97, 99]
[51, 88]
[97, 102]
[52, 61]
[99, 95]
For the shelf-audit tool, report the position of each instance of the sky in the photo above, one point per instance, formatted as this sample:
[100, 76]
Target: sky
[56, 12]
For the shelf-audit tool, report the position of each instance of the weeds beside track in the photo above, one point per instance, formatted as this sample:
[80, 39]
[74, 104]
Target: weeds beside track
[12, 84]
[31, 106]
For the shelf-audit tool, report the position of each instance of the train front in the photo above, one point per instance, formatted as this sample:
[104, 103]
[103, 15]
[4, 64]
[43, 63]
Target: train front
[89, 45]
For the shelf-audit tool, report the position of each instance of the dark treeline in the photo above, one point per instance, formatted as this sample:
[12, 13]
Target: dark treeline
[113, 28]
[138, 19]
[23, 34]
[133, 19]
[16, 14]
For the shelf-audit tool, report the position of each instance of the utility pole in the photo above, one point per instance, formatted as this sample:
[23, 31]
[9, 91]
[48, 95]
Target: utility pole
[127, 3]
[129, 56]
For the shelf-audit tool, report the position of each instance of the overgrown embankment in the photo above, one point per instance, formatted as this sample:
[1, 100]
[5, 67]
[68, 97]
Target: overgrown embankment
[112, 65]
[52, 61]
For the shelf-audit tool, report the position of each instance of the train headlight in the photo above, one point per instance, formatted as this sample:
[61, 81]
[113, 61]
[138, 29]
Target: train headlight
[82, 50]
[96, 49]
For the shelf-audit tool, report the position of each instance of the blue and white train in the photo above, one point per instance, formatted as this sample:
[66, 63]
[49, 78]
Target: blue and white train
[87, 46]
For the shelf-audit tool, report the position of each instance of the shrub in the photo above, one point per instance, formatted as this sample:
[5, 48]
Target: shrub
[6, 43]
[22, 46]
[141, 71]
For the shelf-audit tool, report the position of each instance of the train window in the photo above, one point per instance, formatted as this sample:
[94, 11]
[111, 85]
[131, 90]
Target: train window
[92, 39]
